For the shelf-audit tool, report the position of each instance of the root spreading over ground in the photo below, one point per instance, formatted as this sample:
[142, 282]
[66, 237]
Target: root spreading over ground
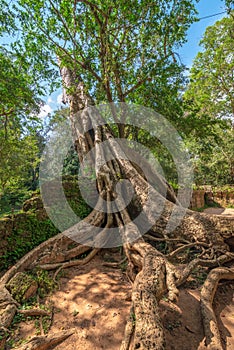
[157, 263]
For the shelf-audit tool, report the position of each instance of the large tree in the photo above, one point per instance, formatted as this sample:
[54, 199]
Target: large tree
[122, 52]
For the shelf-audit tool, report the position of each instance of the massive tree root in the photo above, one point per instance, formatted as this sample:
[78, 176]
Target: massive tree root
[152, 272]
[213, 339]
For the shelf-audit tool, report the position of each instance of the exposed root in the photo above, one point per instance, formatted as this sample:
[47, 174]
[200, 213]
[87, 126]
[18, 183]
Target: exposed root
[152, 276]
[34, 312]
[163, 239]
[41, 326]
[222, 259]
[144, 329]
[129, 330]
[114, 264]
[148, 269]
[171, 275]
[49, 267]
[46, 342]
[8, 307]
[187, 246]
[148, 286]
[77, 262]
[72, 253]
[213, 339]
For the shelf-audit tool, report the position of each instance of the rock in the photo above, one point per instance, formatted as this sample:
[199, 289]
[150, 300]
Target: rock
[22, 286]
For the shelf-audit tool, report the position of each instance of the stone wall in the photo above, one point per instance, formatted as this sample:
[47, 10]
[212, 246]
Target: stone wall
[21, 232]
[211, 196]
[198, 199]
[222, 197]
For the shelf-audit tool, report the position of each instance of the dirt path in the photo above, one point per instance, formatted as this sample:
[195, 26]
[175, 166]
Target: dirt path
[94, 299]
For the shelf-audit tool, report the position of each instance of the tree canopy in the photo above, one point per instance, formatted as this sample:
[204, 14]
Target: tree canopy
[123, 51]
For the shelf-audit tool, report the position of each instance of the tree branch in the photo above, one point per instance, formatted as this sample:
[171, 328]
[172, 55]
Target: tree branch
[138, 84]
[93, 7]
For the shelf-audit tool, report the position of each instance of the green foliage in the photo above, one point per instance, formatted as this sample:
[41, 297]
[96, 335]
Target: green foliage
[209, 106]
[29, 230]
[71, 163]
[80, 207]
[211, 77]
[46, 322]
[122, 51]
[19, 104]
[18, 95]
[213, 156]
[12, 200]
[45, 282]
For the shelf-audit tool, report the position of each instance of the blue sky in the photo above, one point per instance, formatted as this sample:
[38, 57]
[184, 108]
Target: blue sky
[187, 53]
[196, 31]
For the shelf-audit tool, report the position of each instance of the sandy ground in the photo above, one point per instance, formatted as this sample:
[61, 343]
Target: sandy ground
[94, 300]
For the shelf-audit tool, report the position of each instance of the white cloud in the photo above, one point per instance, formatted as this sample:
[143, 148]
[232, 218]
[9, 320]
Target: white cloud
[45, 110]
[59, 99]
[50, 100]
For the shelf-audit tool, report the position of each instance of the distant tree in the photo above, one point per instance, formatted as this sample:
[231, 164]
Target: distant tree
[211, 88]
[209, 105]
[18, 110]
[212, 156]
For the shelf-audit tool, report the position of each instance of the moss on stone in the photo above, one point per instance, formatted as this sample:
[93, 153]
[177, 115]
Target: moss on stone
[22, 287]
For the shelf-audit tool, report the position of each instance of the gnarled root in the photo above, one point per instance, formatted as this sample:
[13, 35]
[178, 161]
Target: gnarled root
[65, 265]
[46, 342]
[151, 273]
[148, 286]
[213, 339]
[34, 312]
[144, 329]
